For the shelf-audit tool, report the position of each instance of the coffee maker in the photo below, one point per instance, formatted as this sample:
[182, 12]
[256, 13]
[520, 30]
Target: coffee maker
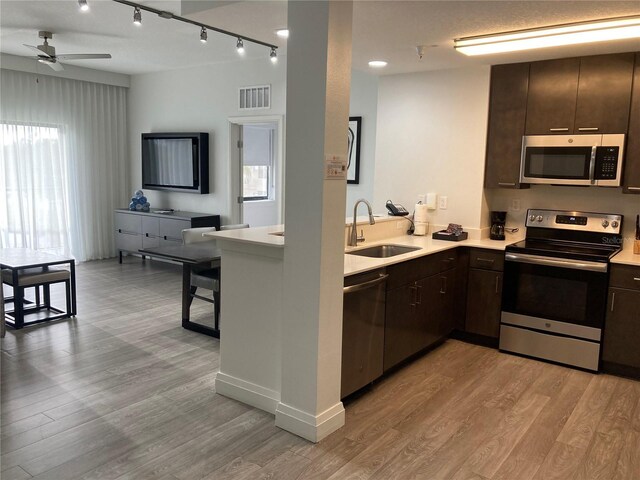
[498, 219]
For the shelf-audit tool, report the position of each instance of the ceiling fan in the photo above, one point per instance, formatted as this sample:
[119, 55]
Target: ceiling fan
[47, 53]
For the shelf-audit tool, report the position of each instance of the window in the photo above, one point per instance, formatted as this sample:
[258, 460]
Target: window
[257, 162]
[34, 174]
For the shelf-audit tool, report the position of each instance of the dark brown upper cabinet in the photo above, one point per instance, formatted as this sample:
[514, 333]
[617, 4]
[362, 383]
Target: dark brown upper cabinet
[631, 178]
[507, 115]
[604, 93]
[580, 95]
[553, 91]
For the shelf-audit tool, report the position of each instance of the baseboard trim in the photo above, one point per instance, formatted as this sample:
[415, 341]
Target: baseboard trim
[247, 392]
[310, 427]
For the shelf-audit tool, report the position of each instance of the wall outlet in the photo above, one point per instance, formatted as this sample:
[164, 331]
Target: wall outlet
[443, 202]
[515, 205]
[421, 198]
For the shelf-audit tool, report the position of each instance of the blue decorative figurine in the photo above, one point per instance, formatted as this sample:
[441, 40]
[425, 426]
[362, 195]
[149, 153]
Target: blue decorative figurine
[139, 202]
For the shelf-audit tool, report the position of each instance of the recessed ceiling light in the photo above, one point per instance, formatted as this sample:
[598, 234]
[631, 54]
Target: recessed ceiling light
[552, 36]
[283, 33]
[84, 7]
[377, 63]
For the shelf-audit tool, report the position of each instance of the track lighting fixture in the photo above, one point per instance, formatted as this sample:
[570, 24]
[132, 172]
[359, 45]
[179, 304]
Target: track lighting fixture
[137, 16]
[204, 28]
[84, 7]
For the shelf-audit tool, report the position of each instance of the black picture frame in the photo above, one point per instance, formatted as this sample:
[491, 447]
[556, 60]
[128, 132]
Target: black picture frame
[353, 151]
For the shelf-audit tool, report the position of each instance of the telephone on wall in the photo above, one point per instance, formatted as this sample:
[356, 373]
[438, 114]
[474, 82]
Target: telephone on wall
[396, 210]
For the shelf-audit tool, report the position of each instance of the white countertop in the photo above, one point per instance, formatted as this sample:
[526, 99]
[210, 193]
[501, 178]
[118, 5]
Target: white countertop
[626, 256]
[255, 235]
[355, 264]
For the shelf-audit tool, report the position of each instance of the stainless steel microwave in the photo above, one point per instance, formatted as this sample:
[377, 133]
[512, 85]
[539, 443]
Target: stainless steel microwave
[587, 160]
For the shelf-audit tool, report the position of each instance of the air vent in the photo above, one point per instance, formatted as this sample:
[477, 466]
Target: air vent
[254, 98]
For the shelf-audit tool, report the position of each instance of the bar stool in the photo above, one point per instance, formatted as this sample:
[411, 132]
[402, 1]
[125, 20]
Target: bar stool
[20, 280]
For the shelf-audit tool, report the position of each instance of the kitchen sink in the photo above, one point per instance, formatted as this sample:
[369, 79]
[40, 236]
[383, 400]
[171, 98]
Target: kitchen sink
[383, 251]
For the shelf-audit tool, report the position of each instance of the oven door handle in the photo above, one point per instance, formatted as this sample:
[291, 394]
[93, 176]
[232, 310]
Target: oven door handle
[556, 262]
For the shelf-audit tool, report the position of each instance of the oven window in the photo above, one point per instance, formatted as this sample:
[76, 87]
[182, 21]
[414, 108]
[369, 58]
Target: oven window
[561, 163]
[563, 294]
[558, 298]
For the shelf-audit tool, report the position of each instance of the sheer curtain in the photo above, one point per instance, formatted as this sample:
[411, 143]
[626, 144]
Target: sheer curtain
[63, 163]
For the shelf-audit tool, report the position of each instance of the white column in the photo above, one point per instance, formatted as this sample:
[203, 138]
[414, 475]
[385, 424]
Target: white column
[318, 83]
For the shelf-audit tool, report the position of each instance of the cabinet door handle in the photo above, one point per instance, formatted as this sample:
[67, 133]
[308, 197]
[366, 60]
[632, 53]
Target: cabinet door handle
[563, 129]
[637, 279]
[633, 188]
[415, 295]
[588, 129]
[443, 286]
[506, 184]
[613, 301]
[419, 294]
[497, 284]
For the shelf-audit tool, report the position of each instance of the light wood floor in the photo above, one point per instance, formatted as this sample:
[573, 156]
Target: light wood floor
[124, 392]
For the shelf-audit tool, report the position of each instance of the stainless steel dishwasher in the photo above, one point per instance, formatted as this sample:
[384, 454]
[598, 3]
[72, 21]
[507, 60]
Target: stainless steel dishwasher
[362, 330]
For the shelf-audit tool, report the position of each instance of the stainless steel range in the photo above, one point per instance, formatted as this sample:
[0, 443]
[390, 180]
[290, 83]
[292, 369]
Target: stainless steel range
[555, 286]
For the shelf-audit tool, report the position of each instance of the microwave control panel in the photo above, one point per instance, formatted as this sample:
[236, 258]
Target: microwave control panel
[606, 163]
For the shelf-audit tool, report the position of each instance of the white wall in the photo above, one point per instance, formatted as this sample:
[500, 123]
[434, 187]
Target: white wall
[198, 99]
[431, 134]
[364, 103]
[203, 98]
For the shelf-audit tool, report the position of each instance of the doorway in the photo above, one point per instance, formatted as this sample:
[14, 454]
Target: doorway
[256, 154]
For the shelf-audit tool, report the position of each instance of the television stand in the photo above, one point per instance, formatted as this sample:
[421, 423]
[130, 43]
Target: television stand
[136, 230]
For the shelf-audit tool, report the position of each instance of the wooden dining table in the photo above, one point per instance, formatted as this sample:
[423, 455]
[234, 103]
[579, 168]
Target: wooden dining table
[189, 255]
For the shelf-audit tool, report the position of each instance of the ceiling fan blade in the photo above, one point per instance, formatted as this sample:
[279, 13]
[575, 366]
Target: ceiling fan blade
[37, 51]
[82, 56]
[53, 64]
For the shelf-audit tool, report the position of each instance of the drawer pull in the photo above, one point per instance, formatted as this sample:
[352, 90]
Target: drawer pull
[487, 260]
[119, 230]
[506, 184]
[165, 237]
[637, 279]
[563, 129]
[588, 129]
[146, 235]
[634, 188]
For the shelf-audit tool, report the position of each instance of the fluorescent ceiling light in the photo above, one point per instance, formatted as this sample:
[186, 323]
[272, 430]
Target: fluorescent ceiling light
[377, 63]
[568, 34]
[283, 33]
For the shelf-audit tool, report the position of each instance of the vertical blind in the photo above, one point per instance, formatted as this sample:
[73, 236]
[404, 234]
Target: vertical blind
[63, 164]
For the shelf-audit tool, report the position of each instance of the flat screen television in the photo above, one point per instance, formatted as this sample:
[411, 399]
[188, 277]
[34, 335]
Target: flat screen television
[176, 161]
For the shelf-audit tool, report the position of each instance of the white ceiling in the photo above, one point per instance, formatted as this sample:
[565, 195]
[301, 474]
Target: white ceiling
[388, 30]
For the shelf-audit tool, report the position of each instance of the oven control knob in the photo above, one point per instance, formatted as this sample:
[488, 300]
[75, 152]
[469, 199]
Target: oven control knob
[615, 224]
[539, 218]
[605, 223]
[532, 218]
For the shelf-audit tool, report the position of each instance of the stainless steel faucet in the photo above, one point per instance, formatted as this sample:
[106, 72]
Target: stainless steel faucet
[353, 234]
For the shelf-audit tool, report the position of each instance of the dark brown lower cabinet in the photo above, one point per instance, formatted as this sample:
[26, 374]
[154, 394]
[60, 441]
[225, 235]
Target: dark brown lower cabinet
[419, 314]
[621, 349]
[484, 300]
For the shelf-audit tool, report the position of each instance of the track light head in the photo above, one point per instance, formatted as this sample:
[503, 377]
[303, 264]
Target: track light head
[203, 35]
[273, 55]
[240, 46]
[137, 16]
[84, 6]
